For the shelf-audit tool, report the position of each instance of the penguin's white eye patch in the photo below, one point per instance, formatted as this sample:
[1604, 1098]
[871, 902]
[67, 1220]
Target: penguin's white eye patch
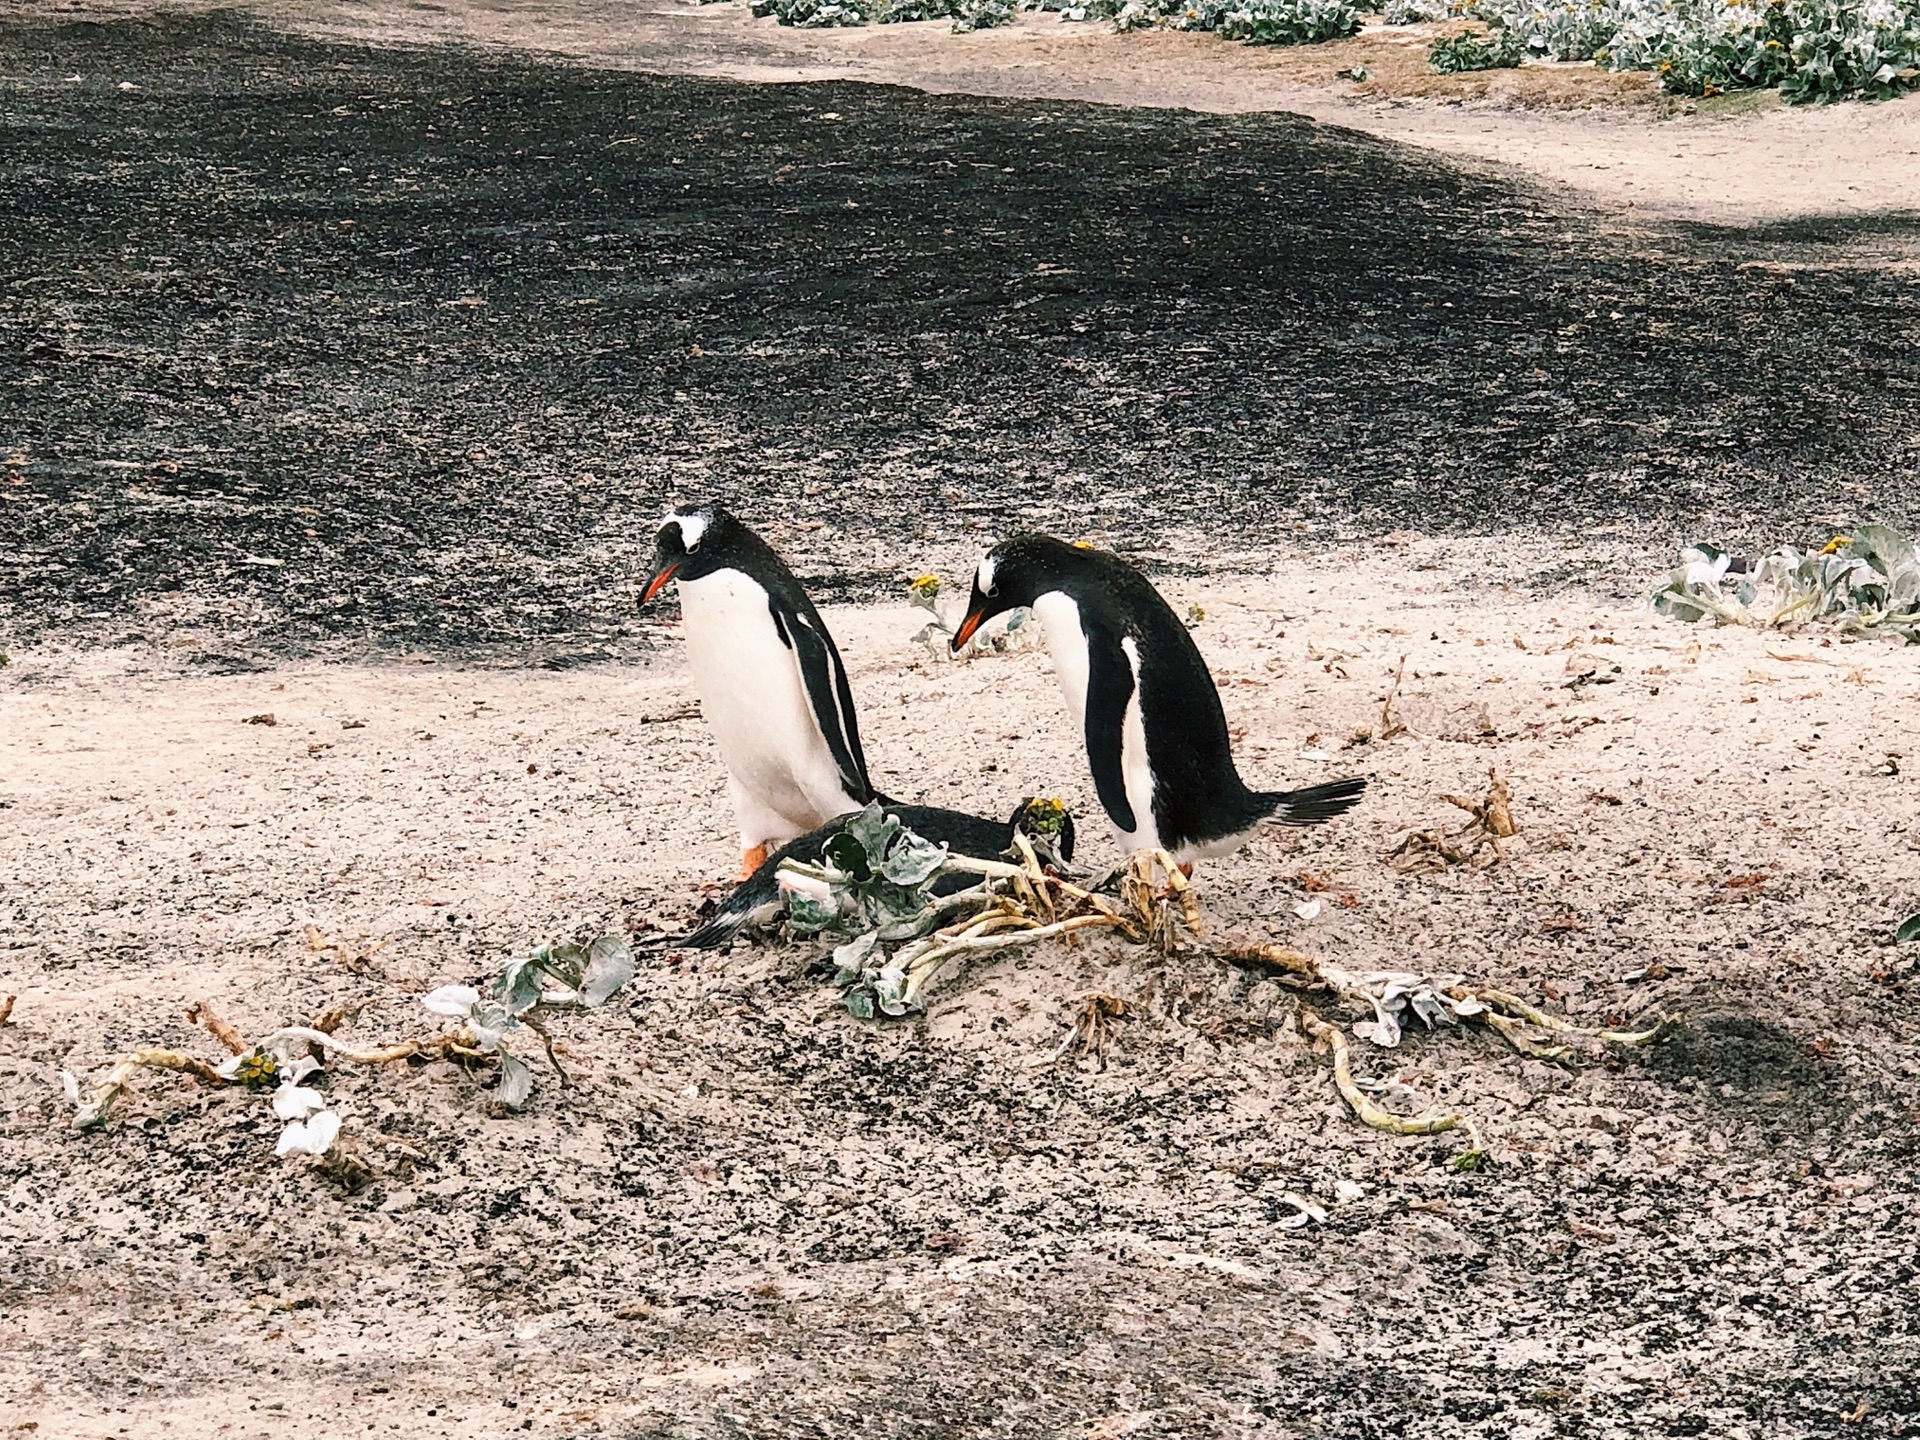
[693, 528]
[984, 577]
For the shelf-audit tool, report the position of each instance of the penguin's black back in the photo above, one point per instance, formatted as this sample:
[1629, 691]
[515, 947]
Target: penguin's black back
[1198, 795]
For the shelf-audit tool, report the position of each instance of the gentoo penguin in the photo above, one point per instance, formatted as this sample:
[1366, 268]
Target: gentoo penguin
[756, 901]
[1155, 734]
[769, 679]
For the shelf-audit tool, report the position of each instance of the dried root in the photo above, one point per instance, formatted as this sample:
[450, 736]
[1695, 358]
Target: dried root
[1475, 845]
[1092, 1030]
[1390, 725]
[1356, 1098]
[93, 1111]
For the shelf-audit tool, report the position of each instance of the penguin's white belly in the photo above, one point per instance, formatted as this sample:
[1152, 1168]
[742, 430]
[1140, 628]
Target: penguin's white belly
[751, 691]
[1059, 620]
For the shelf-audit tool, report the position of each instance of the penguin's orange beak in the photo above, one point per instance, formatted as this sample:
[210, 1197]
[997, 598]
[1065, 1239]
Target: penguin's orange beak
[659, 582]
[967, 626]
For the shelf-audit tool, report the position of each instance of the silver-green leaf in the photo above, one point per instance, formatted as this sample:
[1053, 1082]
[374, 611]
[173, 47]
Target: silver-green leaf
[609, 966]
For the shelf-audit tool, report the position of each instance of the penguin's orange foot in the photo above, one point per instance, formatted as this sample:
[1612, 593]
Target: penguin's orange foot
[751, 859]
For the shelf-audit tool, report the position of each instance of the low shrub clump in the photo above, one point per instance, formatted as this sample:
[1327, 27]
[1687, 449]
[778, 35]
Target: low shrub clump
[1476, 50]
[1807, 49]
[821, 14]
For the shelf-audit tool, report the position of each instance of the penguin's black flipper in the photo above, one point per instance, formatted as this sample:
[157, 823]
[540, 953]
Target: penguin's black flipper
[828, 694]
[1314, 805]
[1109, 690]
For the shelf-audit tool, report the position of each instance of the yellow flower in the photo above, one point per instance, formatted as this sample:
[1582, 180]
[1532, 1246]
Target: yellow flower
[924, 587]
[1046, 816]
[1835, 543]
[258, 1069]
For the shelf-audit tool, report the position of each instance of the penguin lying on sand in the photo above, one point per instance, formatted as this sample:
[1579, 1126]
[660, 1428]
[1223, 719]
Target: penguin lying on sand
[769, 679]
[1155, 734]
[756, 902]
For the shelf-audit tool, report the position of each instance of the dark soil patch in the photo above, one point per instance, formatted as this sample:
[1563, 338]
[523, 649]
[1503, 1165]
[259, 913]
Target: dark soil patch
[346, 348]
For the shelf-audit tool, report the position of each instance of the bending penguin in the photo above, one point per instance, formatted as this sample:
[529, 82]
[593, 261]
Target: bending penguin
[1155, 733]
[769, 679]
[757, 902]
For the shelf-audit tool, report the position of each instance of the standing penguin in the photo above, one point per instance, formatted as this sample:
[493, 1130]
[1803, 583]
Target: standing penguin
[1155, 734]
[769, 678]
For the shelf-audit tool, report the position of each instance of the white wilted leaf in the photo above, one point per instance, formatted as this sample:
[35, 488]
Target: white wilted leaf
[296, 1069]
[1308, 909]
[70, 1083]
[1306, 1211]
[454, 1001]
[313, 1136]
[912, 859]
[516, 1082]
[297, 1102]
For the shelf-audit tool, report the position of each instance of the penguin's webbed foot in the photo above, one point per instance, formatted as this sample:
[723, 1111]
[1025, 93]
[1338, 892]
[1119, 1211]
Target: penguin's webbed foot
[751, 859]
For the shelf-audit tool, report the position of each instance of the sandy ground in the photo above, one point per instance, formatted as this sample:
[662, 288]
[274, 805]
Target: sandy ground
[753, 1215]
[1609, 141]
[749, 1214]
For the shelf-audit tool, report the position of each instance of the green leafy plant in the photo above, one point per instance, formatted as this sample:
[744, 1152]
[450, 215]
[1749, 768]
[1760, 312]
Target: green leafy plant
[586, 977]
[876, 886]
[923, 591]
[1809, 49]
[1476, 50]
[1908, 930]
[1867, 582]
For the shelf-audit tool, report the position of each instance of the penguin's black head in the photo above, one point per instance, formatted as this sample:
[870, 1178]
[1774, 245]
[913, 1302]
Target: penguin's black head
[1014, 573]
[1048, 825]
[694, 540]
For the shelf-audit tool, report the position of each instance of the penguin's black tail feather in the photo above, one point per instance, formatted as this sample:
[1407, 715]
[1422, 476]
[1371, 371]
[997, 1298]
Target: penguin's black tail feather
[1316, 804]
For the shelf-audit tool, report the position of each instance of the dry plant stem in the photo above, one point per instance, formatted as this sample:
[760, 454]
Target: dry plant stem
[1532, 1016]
[1183, 892]
[1390, 727]
[201, 1013]
[94, 1112]
[1509, 1029]
[334, 1016]
[458, 1043]
[923, 965]
[1368, 1112]
[566, 1081]
[1037, 879]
